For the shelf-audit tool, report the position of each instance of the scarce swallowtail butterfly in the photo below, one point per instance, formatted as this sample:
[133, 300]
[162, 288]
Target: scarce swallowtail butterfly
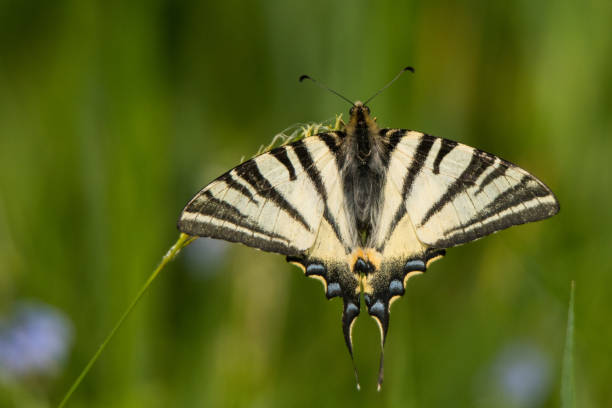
[365, 208]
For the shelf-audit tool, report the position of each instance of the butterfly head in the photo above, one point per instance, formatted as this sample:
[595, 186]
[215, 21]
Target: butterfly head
[360, 116]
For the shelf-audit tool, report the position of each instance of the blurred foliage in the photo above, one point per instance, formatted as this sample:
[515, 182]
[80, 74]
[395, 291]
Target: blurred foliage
[568, 391]
[113, 114]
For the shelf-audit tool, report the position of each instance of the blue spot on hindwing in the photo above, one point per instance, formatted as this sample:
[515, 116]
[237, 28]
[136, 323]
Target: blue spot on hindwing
[352, 309]
[333, 289]
[414, 265]
[315, 269]
[396, 287]
[377, 309]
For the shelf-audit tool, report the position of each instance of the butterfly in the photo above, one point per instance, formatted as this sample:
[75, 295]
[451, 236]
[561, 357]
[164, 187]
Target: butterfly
[365, 208]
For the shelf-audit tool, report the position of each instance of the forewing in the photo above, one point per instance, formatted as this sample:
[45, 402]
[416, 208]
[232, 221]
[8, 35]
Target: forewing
[271, 202]
[454, 193]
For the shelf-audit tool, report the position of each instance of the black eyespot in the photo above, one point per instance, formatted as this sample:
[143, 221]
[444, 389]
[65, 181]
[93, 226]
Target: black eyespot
[362, 266]
[367, 109]
[352, 110]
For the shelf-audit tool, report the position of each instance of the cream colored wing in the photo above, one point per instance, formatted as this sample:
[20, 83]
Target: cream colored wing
[438, 194]
[274, 202]
[290, 201]
[454, 193]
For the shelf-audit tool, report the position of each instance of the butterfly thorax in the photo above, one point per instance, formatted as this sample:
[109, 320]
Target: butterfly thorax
[363, 171]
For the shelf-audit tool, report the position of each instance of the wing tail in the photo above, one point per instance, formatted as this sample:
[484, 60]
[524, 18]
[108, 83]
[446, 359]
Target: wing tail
[337, 281]
[349, 314]
[383, 288]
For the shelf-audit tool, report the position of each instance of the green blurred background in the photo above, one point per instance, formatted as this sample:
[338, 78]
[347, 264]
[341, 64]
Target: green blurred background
[113, 114]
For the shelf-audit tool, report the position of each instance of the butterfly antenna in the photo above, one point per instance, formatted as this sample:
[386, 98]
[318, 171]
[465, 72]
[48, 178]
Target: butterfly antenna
[389, 84]
[303, 77]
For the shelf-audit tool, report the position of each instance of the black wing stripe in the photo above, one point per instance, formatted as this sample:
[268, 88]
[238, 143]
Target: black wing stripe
[250, 173]
[446, 147]
[418, 161]
[224, 211]
[331, 141]
[479, 162]
[458, 236]
[308, 164]
[422, 153]
[232, 183]
[280, 153]
[236, 228]
[392, 137]
[509, 199]
[497, 172]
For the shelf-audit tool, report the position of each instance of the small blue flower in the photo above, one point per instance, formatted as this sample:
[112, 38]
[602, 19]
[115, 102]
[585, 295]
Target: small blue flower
[519, 377]
[34, 340]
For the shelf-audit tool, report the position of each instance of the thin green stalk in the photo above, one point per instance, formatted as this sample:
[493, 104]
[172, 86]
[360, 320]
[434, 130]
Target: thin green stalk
[568, 393]
[182, 242]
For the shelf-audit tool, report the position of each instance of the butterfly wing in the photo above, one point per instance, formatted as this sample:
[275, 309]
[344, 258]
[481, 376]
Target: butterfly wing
[439, 193]
[289, 201]
[269, 202]
[456, 193]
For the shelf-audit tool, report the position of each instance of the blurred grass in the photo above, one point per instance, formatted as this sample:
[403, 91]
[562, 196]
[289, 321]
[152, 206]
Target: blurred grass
[112, 115]
[181, 242]
[568, 391]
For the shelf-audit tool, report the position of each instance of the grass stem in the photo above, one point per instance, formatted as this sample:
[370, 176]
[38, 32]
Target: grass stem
[182, 242]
